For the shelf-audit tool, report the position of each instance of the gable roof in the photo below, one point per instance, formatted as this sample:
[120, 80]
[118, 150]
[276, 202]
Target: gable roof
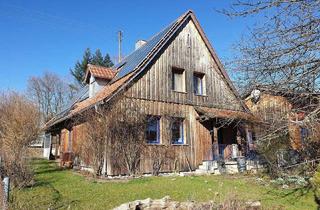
[134, 64]
[99, 72]
[139, 59]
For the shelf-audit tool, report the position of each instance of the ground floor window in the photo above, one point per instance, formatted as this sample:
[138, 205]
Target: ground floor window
[304, 133]
[153, 130]
[177, 131]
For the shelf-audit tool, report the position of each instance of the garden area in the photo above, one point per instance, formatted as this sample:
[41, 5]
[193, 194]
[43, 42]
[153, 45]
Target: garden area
[55, 188]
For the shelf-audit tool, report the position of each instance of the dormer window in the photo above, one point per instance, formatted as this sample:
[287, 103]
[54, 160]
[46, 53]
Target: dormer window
[92, 88]
[178, 80]
[97, 77]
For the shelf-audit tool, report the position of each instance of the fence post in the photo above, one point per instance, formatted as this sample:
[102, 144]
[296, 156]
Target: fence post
[6, 186]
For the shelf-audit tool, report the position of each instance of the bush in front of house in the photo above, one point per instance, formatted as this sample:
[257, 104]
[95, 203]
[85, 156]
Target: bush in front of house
[19, 126]
[315, 181]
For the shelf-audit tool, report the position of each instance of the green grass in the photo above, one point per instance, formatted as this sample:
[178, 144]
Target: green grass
[59, 189]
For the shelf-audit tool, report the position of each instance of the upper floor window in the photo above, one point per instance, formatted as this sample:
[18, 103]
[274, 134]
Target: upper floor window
[178, 79]
[153, 130]
[177, 131]
[199, 84]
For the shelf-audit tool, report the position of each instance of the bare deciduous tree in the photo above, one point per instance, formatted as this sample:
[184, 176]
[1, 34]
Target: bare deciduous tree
[50, 92]
[19, 126]
[282, 51]
[281, 55]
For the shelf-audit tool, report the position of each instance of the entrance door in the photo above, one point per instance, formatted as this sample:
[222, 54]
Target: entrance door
[205, 138]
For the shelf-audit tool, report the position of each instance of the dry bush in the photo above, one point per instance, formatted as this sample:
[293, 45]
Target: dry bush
[92, 144]
[127, 131]
[116, 130]
[160, 155]
[19, 126]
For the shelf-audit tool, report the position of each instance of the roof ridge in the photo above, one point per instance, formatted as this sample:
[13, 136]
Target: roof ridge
[134, 59]
[95, 65]
[171, 24]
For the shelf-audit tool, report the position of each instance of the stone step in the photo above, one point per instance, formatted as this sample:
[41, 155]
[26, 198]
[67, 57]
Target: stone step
[199, 171]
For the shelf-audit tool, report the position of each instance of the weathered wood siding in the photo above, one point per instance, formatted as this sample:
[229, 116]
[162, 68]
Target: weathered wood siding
[188, 51]
[271, 109]
[197, 145]
[77, 134]
[154, 95]
[153, 92]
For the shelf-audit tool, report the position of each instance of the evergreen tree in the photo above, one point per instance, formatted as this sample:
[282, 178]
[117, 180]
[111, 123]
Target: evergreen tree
[80, 68]
[107, 61]
[97, 58]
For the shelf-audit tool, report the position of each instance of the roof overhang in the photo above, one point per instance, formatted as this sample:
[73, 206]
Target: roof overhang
[207, 113]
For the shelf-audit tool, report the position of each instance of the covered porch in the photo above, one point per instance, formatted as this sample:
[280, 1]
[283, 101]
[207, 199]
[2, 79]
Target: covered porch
[229, 134]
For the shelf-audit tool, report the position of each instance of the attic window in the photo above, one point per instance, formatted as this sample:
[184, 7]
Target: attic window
[178, 79]
[199, 87]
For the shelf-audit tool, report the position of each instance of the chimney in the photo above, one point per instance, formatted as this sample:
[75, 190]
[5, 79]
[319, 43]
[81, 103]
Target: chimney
[140, 43]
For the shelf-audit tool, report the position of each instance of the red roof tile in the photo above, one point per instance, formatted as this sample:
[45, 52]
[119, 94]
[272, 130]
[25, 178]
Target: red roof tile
[105, 92]
[79, 107]
[99, 72]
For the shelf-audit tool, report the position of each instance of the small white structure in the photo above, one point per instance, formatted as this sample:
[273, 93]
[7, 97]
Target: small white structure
[47, 146]
[235, 151]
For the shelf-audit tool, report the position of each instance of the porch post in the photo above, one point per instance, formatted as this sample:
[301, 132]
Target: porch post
[239, 142]
[248, 137]
[215, 142]
[58, 144]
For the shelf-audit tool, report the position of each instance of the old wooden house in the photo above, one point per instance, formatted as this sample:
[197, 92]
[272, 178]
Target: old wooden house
[177, 73]
[285, 109]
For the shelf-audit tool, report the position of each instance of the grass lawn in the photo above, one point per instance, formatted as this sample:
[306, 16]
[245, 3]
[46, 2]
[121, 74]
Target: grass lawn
[59, 189]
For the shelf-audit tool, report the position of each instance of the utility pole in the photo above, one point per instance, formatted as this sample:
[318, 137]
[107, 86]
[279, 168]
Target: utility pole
[119, 43]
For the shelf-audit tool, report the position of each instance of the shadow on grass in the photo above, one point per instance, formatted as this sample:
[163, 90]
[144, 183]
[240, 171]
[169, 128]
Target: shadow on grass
[49, 170]
[43, 166]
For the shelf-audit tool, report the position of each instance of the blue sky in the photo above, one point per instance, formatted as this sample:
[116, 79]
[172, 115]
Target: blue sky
[43, 35]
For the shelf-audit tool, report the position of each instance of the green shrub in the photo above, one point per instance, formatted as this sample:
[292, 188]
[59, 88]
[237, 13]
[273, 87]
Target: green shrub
[316, 185]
